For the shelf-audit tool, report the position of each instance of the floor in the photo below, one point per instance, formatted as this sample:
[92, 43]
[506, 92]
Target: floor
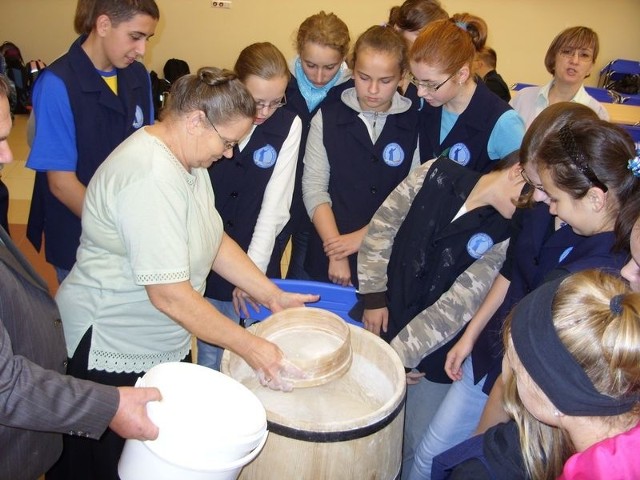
[19, 181]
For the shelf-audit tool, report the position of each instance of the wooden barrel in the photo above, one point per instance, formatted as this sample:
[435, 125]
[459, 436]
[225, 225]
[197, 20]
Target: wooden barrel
[349, 428]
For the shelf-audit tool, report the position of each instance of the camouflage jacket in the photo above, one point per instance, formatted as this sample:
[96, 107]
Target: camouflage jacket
[438, 323]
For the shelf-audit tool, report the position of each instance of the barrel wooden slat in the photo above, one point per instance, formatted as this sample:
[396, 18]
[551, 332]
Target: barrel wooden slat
[367, 445]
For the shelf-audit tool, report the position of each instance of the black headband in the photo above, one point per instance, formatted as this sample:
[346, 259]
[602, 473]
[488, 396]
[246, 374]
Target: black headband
[570, 147]
[549, 363]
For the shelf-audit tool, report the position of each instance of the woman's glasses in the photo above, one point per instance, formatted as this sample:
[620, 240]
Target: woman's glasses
[228, 144]
[583, 55]
[429, 87]
[271, 106]
[528, 181]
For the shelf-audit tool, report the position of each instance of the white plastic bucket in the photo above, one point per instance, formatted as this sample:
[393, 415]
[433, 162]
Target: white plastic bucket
[210, 426]
[139, 462]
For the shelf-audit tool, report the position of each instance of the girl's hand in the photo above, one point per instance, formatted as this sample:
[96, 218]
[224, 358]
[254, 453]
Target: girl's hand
[414, 377]
[339, 272]
[342, 246]
[240, 300]
[376, 319]
[458, 353]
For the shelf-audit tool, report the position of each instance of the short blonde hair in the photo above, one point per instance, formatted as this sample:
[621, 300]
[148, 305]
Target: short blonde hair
[325, 29]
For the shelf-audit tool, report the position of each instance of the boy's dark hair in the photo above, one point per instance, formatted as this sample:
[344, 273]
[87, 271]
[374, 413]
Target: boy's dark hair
[88, 11]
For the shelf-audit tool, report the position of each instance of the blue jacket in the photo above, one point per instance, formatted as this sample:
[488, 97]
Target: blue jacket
[468, 139]
[298, 105]
[495, 455]
[239, 184]
[536, 255]
[430, 250]
[102, 121]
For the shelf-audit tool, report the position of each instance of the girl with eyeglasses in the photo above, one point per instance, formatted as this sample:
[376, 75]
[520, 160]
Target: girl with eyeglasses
[319, 75]
[254, 186]
[358, 150]
[582, 176]
[570, 59]
[459, 117]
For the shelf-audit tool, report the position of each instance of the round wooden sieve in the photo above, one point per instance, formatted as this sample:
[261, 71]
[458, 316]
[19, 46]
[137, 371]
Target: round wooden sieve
[315, 340]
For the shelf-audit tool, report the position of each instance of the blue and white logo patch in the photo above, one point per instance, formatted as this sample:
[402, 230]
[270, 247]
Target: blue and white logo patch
[393, 155]
[138, 119]
[565, 254]
[479, 244]
[265, 157]
[460, 154]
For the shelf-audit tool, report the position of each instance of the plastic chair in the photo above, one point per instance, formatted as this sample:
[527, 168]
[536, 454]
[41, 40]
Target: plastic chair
[519, 86]
[603, 95]
[616, 69]
[333, 298]
[634, 131]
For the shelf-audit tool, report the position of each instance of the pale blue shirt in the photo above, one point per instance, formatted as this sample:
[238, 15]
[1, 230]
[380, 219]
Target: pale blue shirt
[146, 221]
[505, 137]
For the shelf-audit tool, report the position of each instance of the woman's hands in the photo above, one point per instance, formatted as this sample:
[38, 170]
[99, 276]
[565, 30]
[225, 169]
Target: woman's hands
[273, 370]
[283, 300]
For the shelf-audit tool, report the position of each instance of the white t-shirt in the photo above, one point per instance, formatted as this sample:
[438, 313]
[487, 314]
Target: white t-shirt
[530, 101]
[145, 221]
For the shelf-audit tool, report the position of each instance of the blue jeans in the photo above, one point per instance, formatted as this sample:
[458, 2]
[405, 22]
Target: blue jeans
[299, 244]
[455, 420]
[210, 355]
[61, 274]
[423, 400]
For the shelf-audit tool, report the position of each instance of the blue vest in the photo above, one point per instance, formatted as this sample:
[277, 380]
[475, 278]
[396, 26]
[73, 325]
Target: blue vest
[102, 121]
[239, 184]
[430, 251]
[468, 139]
[362, 174]
[495, 455]
[416, 101]
[537, 254]
[297, 104]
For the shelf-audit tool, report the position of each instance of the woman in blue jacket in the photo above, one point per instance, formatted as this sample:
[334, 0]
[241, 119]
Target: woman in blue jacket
[459, 117]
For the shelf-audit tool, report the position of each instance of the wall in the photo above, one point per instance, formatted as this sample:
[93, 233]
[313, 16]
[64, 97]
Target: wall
[520, 30]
